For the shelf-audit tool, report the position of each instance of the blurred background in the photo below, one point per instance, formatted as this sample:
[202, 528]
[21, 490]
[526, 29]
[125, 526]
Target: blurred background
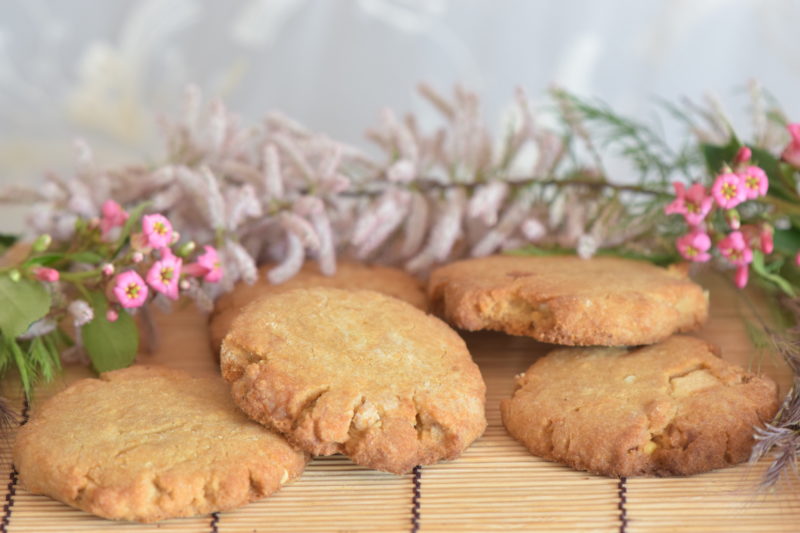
[105, 69]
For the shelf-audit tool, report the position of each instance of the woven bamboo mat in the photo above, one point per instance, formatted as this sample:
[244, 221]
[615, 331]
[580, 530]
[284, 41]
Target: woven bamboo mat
[495, 485]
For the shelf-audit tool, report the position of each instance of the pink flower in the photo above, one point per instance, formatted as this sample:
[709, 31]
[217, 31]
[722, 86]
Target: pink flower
[694, 246]
[742, 274]
[765, 237]
[743, 155]
[108, 269]
[157, 230]
[46, 274]
[112, 315]
[208, 266]
[754, 182]
[791, 154]
[113, 216]
[728, 190]
[129, 289]
[165, 274]
[694, 204]
[797, 259]
[735, 249]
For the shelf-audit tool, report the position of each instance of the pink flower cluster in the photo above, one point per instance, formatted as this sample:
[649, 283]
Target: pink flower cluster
[127, 288]
[730, 188]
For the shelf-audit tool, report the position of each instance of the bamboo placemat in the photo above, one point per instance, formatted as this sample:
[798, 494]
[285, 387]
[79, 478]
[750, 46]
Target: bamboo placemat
[495, 485]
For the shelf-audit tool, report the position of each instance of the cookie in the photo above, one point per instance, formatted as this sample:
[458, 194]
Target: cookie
[568, 300]
[673, 408]
[150, 443]
[390, 281]
[358, 373]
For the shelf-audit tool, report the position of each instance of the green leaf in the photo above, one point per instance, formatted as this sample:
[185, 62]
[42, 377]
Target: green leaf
[717, 156]
[761, 269]
[23, 366]
[44, 259]
[787, 241]
[22, 303]
[110, 345]
[86, 257]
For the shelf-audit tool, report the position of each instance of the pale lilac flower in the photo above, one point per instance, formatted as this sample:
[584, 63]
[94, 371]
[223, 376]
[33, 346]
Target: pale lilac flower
[82, 313]
[416, 225]
[487, 200]
[300, 227]
[586, 246]
[292, 260]
[402, 171]
[129, 289]
[533, 229]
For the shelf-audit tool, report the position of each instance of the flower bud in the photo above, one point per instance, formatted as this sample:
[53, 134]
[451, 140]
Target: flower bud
[186, 249]
[733, 219]
[42, 243]
[15, 275]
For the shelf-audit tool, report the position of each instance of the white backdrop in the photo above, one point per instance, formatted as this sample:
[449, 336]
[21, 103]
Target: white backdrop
[102, 69]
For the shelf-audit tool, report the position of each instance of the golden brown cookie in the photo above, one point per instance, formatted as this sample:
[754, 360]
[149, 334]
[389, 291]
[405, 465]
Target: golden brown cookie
[567, 300]
[356, 372]
[390, 281]
[670, 408]
[150, 443]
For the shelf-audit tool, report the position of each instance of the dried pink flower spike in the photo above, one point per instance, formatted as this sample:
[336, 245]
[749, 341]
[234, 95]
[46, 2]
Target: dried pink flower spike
[157, 230]
[165, 274]
[693, 203]
[735, 249]
[46, 274]
[728, 190]
[694, 246]
[791, 154]
[754, 182]
[129, 289]
[113, 216]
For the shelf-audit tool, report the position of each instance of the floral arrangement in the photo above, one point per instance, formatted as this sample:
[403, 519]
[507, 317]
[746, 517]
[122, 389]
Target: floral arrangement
[75, 299]
[278, 193]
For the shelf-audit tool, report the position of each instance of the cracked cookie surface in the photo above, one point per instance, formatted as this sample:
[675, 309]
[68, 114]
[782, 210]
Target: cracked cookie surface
[349, 275]
[674, 408]
[567, 300]
[150, 443]
[358, 373]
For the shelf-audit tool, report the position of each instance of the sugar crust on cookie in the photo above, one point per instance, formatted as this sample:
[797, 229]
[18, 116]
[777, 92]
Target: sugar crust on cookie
[674, 408]
[358, 373]
[150, 443]
[568, 300]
